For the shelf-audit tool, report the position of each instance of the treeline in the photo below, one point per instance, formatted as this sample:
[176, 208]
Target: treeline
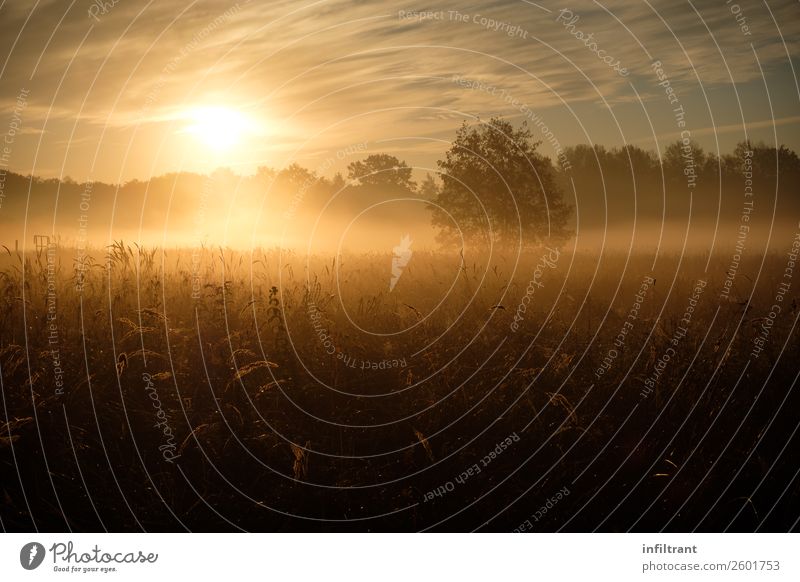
[190, 208]
[623, 183]
[493, 179]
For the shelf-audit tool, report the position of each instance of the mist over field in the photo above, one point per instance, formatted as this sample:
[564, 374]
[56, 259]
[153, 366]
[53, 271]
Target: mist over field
[624, 199]
[378, 333]
[367, 267]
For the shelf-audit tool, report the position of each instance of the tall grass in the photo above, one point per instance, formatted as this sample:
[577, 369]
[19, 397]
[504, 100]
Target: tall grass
[273, 431]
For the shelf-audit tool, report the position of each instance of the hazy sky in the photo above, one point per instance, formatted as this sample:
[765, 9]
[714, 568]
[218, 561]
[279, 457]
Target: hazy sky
[139, 88]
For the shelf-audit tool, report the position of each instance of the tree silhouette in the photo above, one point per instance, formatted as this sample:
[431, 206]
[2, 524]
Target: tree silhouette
[498, 188]
[381, 170]
[429, 189]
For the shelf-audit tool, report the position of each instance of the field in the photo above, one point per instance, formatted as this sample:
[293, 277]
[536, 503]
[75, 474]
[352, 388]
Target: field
[164, 390]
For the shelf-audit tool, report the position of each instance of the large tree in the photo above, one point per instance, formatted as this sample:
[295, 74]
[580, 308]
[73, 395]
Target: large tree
[497, 188]
[381, 170]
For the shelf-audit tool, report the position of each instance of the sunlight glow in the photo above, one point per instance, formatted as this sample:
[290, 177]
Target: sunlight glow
[219, 128]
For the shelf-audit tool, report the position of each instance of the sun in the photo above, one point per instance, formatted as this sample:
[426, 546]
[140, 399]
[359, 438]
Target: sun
[219, 128]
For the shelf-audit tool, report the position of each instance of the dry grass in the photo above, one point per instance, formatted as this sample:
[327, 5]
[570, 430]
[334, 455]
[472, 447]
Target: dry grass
[243, 375]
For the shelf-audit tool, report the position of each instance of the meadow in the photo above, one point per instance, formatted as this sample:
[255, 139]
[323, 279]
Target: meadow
[214, 389]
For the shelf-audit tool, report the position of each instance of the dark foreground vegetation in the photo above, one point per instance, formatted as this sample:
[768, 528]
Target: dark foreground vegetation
[164, 391]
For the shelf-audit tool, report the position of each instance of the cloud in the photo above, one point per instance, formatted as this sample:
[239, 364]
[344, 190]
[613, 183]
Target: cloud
[348, 71]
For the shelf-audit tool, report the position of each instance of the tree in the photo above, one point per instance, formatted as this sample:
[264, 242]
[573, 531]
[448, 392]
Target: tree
[429, 189]
[295, 177]
[338, 183]
[381, 170]
[683, 163]
[496, 187]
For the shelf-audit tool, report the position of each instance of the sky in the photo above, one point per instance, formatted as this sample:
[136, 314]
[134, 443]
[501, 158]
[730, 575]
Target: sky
[125, 90]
